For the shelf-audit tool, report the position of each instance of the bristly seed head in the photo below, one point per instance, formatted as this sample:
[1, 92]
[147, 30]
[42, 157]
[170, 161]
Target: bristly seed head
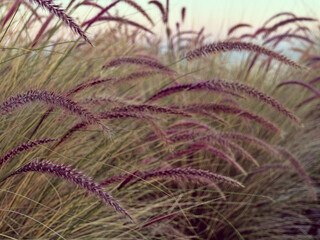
[73, 176]
[239, 46]
[57, 11]
[53, 99]
[23, 147]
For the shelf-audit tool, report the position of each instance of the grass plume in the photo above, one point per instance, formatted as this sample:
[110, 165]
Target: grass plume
[187, 173]
[218, 47]
[71, 175]
[52, 99]
[23, 147]
[60, 13]
[138, 61]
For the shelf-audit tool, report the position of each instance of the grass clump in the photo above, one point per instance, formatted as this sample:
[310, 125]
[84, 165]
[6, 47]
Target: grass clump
[192, 149]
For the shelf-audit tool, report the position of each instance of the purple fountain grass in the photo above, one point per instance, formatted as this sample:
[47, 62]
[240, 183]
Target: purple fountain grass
[150, 57]
[239, 46]
[186, 173]
[139, 8]
[103, 10]
[71, 175]
[159, 219]
[78, 126]
[160, 7]
[196, 86]
[259, 31]
[304, 29]
[246, 115]
[230, 101]
[267, 64]
[161, 135]
[188, 151]
[130, 177]
[103, 101]
[287, 21]
[279, 39]
[15, 6]
[127, 177]
[115, 179]
[279, 15]
[237, 136]
[217, 152]
[190, 124]
[150, 109]
[52, 99]
[203, 137]
[199, 36]
[120, 20]
[314, 80]
[102, 115]
[41, 30]
[214, 186]
[181, 173]
[303, 84]
[23, 147]
[224, 142]
[313, 60]
[57, 11]
[222, 108]
[86, 3]
[213, 116]
[87, 84]
[290, 36]
[253, 61]
[183, 14]
[252, 92]
[308, 100]
[153, 136]
[166, 19]
[245, 35]
[303, 174]
[138, 61]
[193, 148]
[137, 75]
[237, 26]
[44, 117]
[181, 33]
[273, 167]
[181, 136]
[315, 65]
[304, 53]
[145, 117]
[119, 115]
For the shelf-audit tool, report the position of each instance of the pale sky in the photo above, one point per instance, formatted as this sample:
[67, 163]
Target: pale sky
[217, 16]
